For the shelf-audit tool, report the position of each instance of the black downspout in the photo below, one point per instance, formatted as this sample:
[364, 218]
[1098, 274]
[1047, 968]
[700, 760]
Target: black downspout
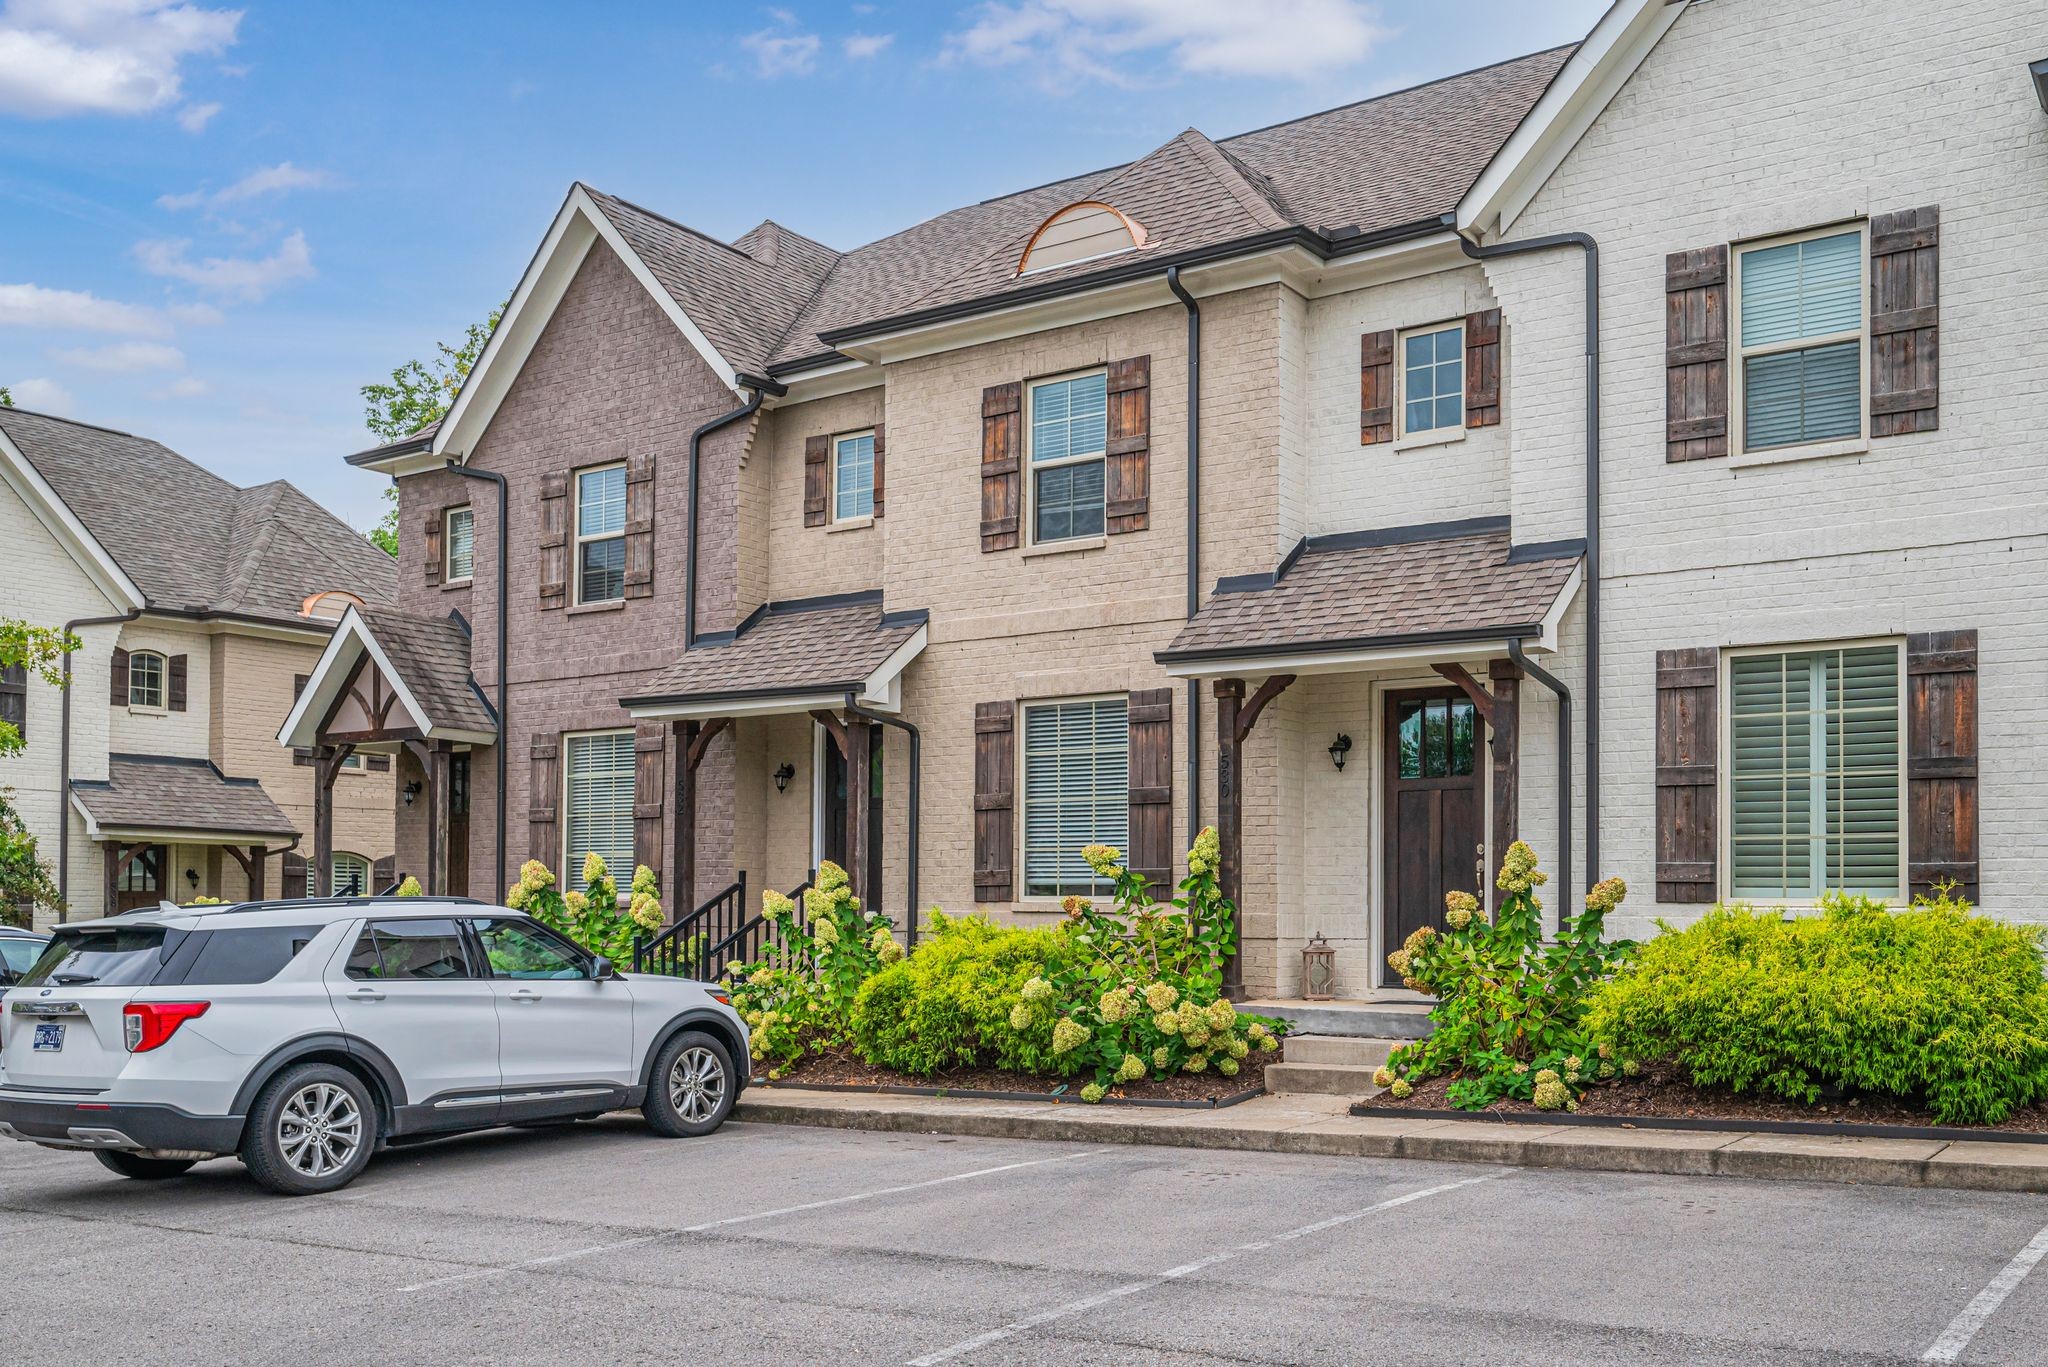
[1585, 243]
[1194, 539]
[64, 762]
[1564, 760]
[916, 803]
[504, 665]
[758, 390]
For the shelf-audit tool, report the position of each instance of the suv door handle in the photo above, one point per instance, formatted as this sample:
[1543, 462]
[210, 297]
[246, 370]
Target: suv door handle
[366, 994]
[526, 994]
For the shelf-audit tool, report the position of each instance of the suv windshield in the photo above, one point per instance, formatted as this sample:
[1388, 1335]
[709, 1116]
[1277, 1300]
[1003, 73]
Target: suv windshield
[124, 956]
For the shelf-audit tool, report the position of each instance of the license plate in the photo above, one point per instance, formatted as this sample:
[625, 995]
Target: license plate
[49, 1037]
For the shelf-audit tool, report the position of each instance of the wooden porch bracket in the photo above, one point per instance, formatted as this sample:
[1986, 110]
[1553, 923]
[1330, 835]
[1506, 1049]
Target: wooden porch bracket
[1248, 714]
[834, 728]
[706, 733]
[252, 867]
[1482, 700]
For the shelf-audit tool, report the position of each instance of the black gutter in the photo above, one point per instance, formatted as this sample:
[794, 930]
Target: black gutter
[1194, 534]
[1564, 763]
[404, 446]
[916, 802]
[64, 761]
[504, 664]
[1461, 636]
[1585, 243]
[759, 389]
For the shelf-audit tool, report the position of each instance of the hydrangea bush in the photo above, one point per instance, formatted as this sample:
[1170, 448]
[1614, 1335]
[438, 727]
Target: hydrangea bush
[1510, 1016]
[593, 917]
[799, 996]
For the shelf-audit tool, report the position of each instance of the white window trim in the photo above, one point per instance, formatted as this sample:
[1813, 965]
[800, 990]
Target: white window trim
[1433, 436]
[448, 574]
[577, 540]
[1020, 892]
[1724, 768]
[163, 681]
[832, 473]
[1032, 467]
[567, 819]
[1738, 355]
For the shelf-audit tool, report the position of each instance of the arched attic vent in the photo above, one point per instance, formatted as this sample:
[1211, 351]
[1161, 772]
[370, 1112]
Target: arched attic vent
[328, 606]
[1080, 232]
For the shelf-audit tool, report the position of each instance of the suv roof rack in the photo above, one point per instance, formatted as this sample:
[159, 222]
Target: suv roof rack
[271, 903]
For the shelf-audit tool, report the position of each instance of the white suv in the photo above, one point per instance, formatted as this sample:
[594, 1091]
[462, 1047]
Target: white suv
[304, 1035]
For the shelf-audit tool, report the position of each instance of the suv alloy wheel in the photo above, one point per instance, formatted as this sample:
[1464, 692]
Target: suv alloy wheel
[691, 1087]
[311, 1130]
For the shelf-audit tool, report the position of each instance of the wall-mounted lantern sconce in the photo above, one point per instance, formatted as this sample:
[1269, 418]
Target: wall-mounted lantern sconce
[1339, 748]
[412, 790]
[192, 877]
[783, 776]
[2039, 71]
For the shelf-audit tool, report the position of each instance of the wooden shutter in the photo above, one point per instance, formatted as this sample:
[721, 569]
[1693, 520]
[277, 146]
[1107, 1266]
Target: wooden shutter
[1375, 388]
[640, 527]
[14, 698]
[995, 800]
[293, 880]
[117, 679]
[1128, 480]
[554, 541]
[881, 451]
[435, 527]
[1482, 369]
[1002, 481]
[1941, 760]
[174, 683]
[1905, 290]
[377, 764]
[1696, 354]
[817, 481]
[544, 792]
[1151, 772]
[301, 754]
[650, 747]
[383, 873]
[1687, 726]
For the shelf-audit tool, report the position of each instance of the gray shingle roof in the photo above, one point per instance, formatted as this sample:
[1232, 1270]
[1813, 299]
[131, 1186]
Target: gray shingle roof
[166, 793]
[190, 540]
[430, 655]
[1361, 589]
[793, 648]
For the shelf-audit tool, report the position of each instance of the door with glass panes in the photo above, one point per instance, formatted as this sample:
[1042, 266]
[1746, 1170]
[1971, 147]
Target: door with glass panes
[1435, 839]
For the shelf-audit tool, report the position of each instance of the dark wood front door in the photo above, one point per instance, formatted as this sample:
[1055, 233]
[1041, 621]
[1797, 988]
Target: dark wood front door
[140, 883]
[458, 825]
[835, 806]
[1435, 829]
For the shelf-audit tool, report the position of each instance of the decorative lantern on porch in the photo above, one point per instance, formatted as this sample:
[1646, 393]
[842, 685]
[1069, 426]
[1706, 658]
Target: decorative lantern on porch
[1318, 970]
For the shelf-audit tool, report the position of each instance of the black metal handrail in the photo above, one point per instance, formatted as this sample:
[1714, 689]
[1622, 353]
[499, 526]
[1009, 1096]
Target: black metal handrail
[745, 944]
[679, 950]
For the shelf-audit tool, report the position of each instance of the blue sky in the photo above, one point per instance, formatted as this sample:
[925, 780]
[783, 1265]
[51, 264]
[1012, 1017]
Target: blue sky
[217, 223]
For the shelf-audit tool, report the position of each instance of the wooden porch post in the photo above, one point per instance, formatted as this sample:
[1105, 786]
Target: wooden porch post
[1506, 678]
[255, 873]
[1230, 821]
[439, 760]
[858, 813]
[682, 897]
[113, 874]
[320, 870]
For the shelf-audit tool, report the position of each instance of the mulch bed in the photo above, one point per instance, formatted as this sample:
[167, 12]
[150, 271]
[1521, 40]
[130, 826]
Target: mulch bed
[842, 1068]
[1661, 1095]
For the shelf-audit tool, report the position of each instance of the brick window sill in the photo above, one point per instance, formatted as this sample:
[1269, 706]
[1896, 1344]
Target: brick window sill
[1785, 455]
[1072, 547]
[851, 524]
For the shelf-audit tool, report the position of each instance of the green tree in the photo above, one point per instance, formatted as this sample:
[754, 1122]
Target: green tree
[24, 875]
[419, 393]
[6, 399]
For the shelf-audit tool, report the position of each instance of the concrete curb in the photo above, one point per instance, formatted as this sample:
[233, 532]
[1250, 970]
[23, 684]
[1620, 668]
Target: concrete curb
[1310, 1125]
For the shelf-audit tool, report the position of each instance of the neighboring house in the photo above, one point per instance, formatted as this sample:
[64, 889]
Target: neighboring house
[199, 605]
[948, 483]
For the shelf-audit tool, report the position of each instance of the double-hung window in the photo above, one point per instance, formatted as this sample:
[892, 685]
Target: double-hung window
[599, 779]
[853, 476]
[461, 543]
[145, 679]
[1800, 324]
[1433, 381]
[1077, 792]
[1814, 781]
[1069, 441]
[601, 534]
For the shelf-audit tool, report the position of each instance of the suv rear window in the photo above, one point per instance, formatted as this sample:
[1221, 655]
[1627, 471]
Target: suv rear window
[127, 956]
[252, 954]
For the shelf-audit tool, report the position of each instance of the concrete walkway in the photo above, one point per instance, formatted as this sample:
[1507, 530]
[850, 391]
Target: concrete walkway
[1322, 1125]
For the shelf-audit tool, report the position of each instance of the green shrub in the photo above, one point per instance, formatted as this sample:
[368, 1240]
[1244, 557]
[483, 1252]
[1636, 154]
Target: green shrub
[949, 1003]
[1933, 1004]
[798, 998]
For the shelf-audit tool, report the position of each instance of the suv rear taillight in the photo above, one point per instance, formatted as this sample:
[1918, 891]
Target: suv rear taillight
[145, 1025]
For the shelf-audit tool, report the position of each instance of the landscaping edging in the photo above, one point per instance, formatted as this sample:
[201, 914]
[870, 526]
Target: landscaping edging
[1281, 1124]
[1842, 1129]
[978, 1094]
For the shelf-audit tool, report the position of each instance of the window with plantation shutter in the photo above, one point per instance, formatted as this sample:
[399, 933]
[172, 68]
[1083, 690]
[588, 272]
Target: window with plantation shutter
[1800, 325]
[1077, 792]
[600, 800]
[1815, 791]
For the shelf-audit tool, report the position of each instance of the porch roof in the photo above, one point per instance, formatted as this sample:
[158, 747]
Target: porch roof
[790, 657]
[425, 661]
[1343, 600]
[170, 795]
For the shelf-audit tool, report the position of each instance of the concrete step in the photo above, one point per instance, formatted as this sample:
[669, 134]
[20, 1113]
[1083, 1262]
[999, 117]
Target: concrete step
[1343, 1050]
[1324, 1079]
[1358, 1019]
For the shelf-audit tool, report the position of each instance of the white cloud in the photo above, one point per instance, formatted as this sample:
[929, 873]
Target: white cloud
[269, 180]
[784, 53]
[193, 118]
[1101, 40]
[184, 387]
[196, 315]
[62, 57]
[75, 310]
[45, 396]
[860, 46]
[122, 357]
[240, 276]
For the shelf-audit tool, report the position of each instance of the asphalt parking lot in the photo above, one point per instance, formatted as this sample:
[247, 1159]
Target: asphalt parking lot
[773, 1244]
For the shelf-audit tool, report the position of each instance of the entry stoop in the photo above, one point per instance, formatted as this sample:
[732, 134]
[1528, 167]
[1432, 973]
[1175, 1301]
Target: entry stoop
[1330, 1065]
[1355, 1019]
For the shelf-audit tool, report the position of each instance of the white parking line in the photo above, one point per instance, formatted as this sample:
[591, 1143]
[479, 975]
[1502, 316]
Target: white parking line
[592, 1252]
[1954, 1339]
[1072, 1308]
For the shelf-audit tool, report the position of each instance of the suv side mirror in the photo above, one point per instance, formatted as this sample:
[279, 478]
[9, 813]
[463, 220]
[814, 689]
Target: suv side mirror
[602, 969]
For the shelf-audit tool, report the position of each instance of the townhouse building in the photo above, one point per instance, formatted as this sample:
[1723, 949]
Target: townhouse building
[154, 774]
[1568, 450]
